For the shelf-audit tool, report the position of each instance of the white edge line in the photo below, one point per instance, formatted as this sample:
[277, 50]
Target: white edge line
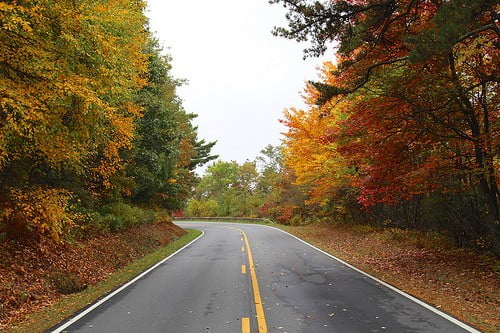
[95, 305]
[399, 291]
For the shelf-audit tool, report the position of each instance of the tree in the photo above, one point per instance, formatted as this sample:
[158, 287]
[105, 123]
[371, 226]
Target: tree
[90, 122]
[270, 158]
[69, 71]
[220, 176]
[232, 186]
[421, 81]
[311, 151]
[202, 153]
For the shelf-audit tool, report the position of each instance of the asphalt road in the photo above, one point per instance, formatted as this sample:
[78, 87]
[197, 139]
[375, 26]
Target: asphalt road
[251, 278]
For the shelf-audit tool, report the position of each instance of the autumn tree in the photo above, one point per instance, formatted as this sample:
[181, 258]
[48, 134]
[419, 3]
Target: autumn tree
[311, 151]
[69, 71]
[270, 164]
[421, 81]
[90, 122]
[283, 198]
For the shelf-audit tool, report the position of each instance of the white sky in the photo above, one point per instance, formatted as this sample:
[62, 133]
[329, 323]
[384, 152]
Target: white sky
[241, 77]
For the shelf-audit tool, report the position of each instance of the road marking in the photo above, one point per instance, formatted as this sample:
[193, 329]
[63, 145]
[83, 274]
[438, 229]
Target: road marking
[242, 249]
[96, 304]
[399, 291]
[245, 325]
[243, 269]
[259, 309]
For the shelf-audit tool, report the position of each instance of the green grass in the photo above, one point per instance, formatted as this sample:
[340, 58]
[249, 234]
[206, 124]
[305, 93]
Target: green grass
[67, 305]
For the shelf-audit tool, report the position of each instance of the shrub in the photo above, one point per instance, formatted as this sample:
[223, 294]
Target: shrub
[202, 208]
[67, 282]
[119, 215]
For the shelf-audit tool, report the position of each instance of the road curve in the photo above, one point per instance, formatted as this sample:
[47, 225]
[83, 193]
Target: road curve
[252, 278]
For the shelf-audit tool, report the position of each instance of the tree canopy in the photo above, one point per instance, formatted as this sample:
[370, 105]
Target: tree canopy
[89, 118]
[410, 109]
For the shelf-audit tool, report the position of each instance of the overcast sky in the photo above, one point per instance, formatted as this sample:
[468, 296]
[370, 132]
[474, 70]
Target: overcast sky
[241, 77]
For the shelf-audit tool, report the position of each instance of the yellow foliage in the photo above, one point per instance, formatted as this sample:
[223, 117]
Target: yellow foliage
[69, 75]
[310, 150]
[67, 85]
[41, 211]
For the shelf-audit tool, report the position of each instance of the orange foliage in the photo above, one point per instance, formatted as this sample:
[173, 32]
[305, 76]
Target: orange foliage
[310, 146]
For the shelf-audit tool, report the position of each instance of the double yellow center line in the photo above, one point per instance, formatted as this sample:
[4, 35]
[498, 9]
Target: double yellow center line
[259, 309]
